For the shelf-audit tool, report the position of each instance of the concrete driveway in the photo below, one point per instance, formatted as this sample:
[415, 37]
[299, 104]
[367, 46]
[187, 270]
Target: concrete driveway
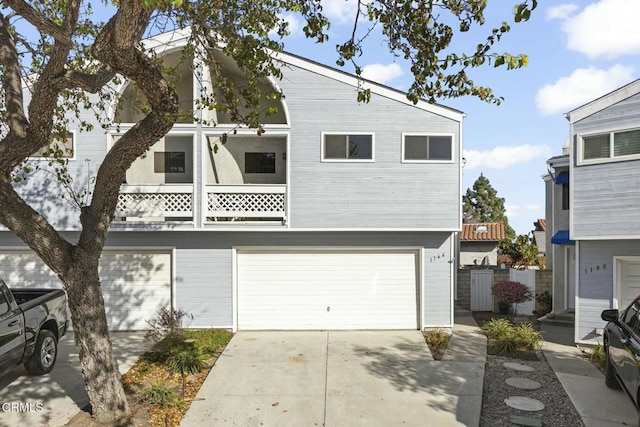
[375, 378]
[53, 399]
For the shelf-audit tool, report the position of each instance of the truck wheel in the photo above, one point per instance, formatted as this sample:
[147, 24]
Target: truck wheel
[44, 354]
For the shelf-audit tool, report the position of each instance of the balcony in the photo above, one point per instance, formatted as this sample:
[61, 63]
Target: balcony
[246, 203]
[223, 204]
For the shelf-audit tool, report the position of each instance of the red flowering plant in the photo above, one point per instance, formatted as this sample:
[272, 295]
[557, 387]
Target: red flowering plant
[511, 294]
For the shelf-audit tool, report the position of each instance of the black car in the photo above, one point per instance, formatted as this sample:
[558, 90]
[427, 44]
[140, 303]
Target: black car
[622, 349]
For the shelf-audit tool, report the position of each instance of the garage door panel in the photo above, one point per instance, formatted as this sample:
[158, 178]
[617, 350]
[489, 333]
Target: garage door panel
[327, 289]
[135, 285]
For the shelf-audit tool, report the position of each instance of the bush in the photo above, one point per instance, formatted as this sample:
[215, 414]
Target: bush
[168, 322]
[161, 395]
[437, 340]
[186, 359]
[511, 293]
[505, 337]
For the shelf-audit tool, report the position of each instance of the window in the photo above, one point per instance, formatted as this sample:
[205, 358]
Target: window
[58, 148]
[259, 162]
[169, 162]
[631, 317]
[356, 147]
[4, 305]
[610, 146]
[565, 196]
[427, 148]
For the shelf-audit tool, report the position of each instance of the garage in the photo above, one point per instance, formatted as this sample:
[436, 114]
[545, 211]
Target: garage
[327, 289]
[135, 284]
[628, 272]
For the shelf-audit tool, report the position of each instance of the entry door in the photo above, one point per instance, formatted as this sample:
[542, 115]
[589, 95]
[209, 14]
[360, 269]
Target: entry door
[570, 276]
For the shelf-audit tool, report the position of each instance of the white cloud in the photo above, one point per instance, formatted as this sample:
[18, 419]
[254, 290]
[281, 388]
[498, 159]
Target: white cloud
[503, 157]
[605, 29]
[294, 27]
[583, 85]
[340, 10]
[382, 73]
[561, 11]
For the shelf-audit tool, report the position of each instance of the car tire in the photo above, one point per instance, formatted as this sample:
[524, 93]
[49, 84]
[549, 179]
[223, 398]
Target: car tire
[610, 379]
[44, 355]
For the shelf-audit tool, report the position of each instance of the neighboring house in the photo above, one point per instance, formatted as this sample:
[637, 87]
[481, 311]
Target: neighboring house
[560, 256]
[539, 234]
[479, 243]
[604, 200]
[343, 215]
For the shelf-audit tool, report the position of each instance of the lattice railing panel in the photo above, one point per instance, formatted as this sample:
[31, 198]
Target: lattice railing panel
[154, 204]
[246, 204]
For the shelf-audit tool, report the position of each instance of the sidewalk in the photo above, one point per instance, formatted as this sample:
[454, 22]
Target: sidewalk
[598, 405]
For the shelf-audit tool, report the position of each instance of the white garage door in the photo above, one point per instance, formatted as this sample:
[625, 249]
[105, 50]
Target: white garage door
[327, 289]
[629, 273]
[135, 284]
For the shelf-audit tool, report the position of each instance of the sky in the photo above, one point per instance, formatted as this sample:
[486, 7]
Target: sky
[578, 51]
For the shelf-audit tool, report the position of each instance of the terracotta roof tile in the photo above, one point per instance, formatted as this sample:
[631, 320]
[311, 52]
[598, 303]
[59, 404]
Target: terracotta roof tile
[482, 231]
[541, 224]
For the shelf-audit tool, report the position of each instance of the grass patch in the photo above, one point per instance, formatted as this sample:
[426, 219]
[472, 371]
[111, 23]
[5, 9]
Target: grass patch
[167, 377]
[437, 341]
[598, 357]
[507, 338]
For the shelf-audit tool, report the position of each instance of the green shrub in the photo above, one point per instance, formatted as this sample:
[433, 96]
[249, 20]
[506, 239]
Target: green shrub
[187, 359]
[506, 337]
[161, 395]
[598, 356]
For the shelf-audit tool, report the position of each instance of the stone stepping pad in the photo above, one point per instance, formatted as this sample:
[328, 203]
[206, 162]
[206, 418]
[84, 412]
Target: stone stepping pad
[518, 367]
[523, 383]
[524, 403]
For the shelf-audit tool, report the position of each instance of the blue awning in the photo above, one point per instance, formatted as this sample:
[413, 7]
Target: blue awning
[562, 238]
[562, 178]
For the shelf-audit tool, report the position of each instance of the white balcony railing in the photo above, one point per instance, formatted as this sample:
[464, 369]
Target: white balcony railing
[155, 202]
[248, 202]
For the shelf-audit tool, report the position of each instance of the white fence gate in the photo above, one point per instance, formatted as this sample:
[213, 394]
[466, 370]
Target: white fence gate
[481, 283]
[528, 277]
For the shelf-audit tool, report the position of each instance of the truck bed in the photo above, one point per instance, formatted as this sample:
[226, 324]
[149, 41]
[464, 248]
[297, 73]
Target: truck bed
[27, 298]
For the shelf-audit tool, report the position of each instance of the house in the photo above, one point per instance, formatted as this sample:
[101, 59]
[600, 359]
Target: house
[603, 228]
[342, 215]
[479, 243]
[539, 234]
[561, 249]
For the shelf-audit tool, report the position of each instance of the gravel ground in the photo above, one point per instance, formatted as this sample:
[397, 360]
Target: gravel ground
[558, 411]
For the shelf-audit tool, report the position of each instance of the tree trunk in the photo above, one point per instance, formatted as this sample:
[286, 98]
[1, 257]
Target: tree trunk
[99, 367]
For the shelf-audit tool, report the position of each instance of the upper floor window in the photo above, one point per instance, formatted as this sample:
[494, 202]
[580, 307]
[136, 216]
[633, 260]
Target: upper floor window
[565, 196]
[420, 148]
[58, 148]
[610, 146]
[347, 147]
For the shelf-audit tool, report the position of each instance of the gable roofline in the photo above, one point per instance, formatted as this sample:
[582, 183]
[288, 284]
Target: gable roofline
[178, 38]
[376, 88]
[599, 104]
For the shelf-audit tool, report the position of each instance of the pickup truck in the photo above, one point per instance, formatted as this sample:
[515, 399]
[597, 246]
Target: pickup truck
[31, 323]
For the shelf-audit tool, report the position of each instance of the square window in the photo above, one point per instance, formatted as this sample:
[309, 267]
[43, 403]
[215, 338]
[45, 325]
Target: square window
[626, 143]
[58, 148]
[259, 162]
[596, 147]
[348, 147]
[427, 148]
[169, 162]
